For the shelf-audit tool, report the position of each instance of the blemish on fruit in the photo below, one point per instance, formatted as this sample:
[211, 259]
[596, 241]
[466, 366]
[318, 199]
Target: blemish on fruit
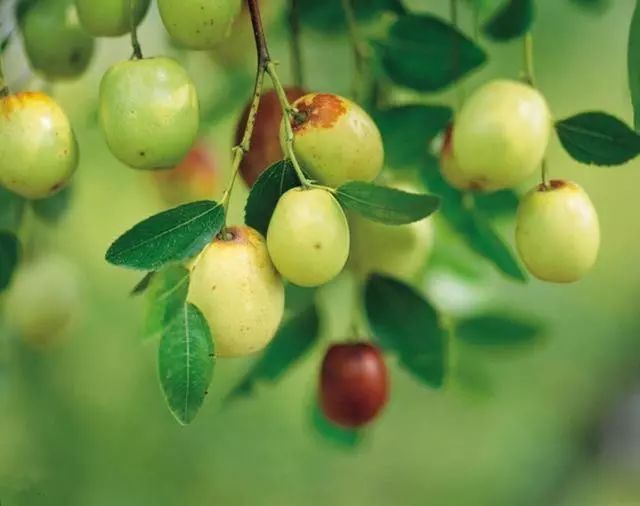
[321, 110]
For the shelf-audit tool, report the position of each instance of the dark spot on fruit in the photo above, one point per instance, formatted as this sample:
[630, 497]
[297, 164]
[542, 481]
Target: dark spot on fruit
[317, 245]
[321, 110]
[554, 184]
[56, 186]
[75, 57]
[142, 153]
[213, 287]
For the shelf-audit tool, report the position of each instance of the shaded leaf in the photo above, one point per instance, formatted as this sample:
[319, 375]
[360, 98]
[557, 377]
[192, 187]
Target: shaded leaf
[633, 64]
[9, 256]
[143, 284]
[170, 236]
[512, 20]
[53, 208]
[166, 296]
[497, 204]
[11, 210]
[338, 436]
[497, 330]
[298, 298]
[328, 15]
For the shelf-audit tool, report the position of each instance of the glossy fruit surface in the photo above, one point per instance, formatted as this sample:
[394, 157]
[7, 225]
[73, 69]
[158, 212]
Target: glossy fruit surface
[354, 384]
[335, 139]
[149, 112]
[237, 288]
[110, 18]
[308, 237]
[44, 300]
[265, 146]
[57, 45]
[449, 167]
[501, 134]
[38, 149]
[557, 232]
[198, 24]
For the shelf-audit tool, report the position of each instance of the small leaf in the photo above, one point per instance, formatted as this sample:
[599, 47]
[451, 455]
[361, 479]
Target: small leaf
[53, 208]
[185, 363]
[633, 64]
[11, 210]
[511, 21]
[293, 340]
[386, 205]
[9, 256]
[426, 54]
[143, 284]
[338, 436]
[497, 330]
[598, 138]
[170, 236]
[328, 15]
[265, 193]
[404, 322]
[166, 296]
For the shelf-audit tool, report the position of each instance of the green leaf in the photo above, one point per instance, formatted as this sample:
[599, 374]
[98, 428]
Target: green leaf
[9, 256]
[265, 193]
[328, 15]
[166, 296]
[171, 236]
[343, 438]
[185, 363]
[298, 298]
[633, 64]
[53, 208]
[426, 54]
[598, 138]
[386, 205]
[497, 330]
[513, 20]
[497, 204]
[143, 284]
[293, 340]
[596, 6]
[407, 131]
[404, 322]
[11, 210]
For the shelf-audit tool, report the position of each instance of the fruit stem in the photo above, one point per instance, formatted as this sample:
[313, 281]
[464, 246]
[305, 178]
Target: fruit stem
[135, 43]
[4, 88]
[360, 50]
[544, 174]
[527, 53]
[295, 43]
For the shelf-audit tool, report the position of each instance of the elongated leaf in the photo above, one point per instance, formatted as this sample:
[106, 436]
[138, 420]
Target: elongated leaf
[511, 21]
[143, 284]
[598, 138]
[265, 193]
[9, 255]
[11, 210]
[633, 64]
[185, 363]
[165, 298]
[404, 322]
[337, 436]
[328, 15]
[426, 54]
[53, 208]
[170, 236]
[386, 205]
[293, 340]
[498, 330]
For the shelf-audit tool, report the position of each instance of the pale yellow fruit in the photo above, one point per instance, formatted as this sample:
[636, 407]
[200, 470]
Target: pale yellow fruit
[308, 236]
[557, 232]
[449, 167]
[238, 290]
[501, 134]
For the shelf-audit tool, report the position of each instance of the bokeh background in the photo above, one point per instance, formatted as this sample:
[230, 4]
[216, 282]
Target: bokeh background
[558, 423]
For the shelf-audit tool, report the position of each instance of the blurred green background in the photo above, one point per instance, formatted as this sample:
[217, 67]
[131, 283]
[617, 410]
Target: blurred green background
[85, 423]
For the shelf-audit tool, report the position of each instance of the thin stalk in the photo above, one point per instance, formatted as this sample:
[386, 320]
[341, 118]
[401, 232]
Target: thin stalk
[295, 44]
[360, 50]
[527, 58]
[135, 43]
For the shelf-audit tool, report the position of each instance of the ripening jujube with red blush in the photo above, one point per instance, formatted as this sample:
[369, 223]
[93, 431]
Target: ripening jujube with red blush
[354, 384]
[265, 146]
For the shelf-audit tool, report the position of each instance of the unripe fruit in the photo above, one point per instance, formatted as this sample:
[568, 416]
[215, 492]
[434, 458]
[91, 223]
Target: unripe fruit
[197, 177]
[43, 301]
[110, 18]
[308, 236]
[198, 24]
[449, 167]
[557, 232]
[149, 112]
[265, 146]
[38, 150]
[55, 42]
[354, 384]
[501, 134]
[335, 140]
[238, 290]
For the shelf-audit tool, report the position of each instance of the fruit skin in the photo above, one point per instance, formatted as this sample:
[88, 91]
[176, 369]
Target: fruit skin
[44, 301]
[239, 292]
[308, 236]
[501, 134]
[335, 139]
[449, 167]
[38, 152]
[197, 177]
[110, 18]
[198, 24]
[55, 42]
[354, 384]
[149, 112]
[557, 232]
[265, 146]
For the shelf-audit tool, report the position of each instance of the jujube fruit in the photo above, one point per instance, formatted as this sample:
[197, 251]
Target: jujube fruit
[38, 151]
[149, 112]
[198, 24]
[265, 146]
[308, 236]
[335, 139]
[354, 384]
[56, 44]
[501, 134]
[449, 167]
[238, 290]
[110, 18]
[557, 232]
